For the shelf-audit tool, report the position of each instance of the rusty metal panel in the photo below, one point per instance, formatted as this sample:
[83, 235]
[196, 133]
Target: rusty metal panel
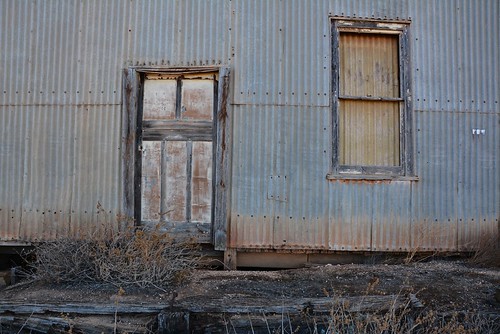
[369, 133]
[197, 99]
[289, 211]
[436, 207]
[96, 181]
[456, 200]
[351, 207]
[51, 155]
[391, 216]
[479, 179]
[362, 215]
[255, 137]
[369, 215]
[159, 99]
[12, 154]
[50, 170]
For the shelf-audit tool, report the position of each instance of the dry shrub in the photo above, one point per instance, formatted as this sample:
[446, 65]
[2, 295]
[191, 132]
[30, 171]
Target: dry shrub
[487, 251]
[404, 319]
[136, 257]
[397, 317]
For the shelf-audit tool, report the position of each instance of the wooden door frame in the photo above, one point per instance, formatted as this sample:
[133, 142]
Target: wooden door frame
[132, 89]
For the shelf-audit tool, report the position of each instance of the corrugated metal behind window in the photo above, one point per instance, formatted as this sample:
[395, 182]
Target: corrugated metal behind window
[369, 133]
[369, 130]
[369, 65]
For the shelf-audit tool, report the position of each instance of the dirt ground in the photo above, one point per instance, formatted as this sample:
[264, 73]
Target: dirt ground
[443, 286]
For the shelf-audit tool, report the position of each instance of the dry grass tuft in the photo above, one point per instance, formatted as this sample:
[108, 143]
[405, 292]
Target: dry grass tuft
[405, 320]
[487, 251]
[401, 319]
[135, 258]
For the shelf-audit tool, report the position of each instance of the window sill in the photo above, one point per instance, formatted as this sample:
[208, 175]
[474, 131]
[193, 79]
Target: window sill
[371, 177]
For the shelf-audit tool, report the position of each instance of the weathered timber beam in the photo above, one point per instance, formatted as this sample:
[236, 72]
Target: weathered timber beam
[257, 306]
[31, 308]
[294, 306]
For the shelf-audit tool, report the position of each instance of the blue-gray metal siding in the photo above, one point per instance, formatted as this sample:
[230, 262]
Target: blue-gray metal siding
[60, 113]
[60, 101]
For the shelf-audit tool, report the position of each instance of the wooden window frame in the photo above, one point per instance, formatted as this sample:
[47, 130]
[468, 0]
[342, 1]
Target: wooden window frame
[405, 171]
[132, 90]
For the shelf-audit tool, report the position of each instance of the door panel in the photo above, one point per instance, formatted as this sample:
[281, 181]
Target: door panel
[151, 181]
[175, 182]
[175, 173]
[197, 100]
[201, 185]
[159, 99]
[177, 157]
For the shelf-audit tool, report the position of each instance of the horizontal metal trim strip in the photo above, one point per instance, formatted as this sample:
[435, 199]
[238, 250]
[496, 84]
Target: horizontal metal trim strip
[371, 98]
[371, 177]
[175, 136]
[346, 24]
[280, 105]
[163, 70]
[471, 112]
[178, 125]
[371, 31]
[345, 19]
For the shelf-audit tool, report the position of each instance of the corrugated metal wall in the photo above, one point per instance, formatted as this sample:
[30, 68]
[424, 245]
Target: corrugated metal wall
[60, 105]
[456, 89]
[60, 101]
[282, 128]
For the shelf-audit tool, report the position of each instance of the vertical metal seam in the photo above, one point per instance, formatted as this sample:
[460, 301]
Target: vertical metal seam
[189, 175]
[163, 181]
[178, 98]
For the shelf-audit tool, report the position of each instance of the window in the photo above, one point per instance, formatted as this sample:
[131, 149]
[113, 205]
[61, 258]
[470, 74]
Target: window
[372, 135]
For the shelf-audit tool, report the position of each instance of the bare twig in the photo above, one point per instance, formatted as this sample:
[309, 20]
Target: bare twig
[25, 323]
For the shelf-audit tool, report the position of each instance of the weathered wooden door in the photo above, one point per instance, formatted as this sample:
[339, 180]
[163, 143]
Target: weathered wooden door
[176, 143]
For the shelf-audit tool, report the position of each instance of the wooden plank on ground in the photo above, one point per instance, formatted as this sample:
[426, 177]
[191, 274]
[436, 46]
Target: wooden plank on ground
[219, 305]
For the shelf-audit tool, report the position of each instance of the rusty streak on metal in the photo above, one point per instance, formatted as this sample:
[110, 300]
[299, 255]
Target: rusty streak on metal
[223, 113]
